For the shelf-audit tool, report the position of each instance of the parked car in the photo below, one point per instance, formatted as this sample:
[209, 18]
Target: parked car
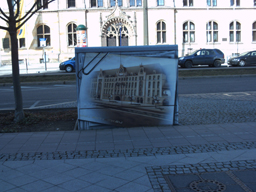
[68, 65]
[211, 57]
[246, 58]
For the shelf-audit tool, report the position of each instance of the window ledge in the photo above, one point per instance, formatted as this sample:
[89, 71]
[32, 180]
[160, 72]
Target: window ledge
[47, 47]
[235, 43]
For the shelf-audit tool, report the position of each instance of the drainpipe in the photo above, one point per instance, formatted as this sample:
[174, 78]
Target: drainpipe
[175, 11]
[145, 19]
[59, 30]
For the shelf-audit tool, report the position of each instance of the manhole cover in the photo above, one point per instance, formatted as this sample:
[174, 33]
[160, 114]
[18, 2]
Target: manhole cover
[207, 186]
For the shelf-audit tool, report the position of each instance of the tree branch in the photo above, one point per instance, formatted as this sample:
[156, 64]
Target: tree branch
[32, 12]
[4, 14]
[4, 28]
[4, 19]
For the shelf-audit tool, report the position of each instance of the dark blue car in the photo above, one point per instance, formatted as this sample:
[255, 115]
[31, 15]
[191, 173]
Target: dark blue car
[68, 65]
[210, 57]
[247, 58]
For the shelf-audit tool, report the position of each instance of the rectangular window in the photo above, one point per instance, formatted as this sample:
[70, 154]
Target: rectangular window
[231, 36]
[22, 42]
[71, 3]
[190, 3]
[215, 36]
[231, 2]
[214, 3]
[6, 44]
[185, 37]
[100, 3]
[158, 37]
[139, 3]
[192, 36]
[238, 36]
[160, 2]
[93, 3]
[254, 3]
[237, 2]
[164, 36]
[42, 3]
[120, 3]
[209, 2]
[254, 35]
[185, 3]
[45, 3]
[112, 3]
[132, 3]
[209, 36]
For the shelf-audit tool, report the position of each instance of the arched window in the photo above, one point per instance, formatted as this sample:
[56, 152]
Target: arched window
[71, 3]
[188, 32]
[161, 32]
[72, 34]
[43, 31]
[212, 32]
[254, 31]
[234, 31]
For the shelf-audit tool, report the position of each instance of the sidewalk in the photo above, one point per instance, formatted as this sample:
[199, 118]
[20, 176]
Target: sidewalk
[167, 158]
[30, 68]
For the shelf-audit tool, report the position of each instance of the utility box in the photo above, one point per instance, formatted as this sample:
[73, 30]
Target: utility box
[129, 86]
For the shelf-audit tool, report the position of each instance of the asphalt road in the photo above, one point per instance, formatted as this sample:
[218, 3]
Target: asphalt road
[41, 95]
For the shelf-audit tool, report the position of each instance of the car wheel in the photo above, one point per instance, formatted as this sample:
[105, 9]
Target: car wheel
[69, 68]
[216, 63]
[241, 63]
[188, 64]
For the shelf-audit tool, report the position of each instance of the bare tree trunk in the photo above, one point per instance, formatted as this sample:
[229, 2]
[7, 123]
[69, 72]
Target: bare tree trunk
[19, 114]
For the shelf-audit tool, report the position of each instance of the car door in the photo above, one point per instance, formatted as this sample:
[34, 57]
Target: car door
[251, 59]
[198, 57]
[208, 57]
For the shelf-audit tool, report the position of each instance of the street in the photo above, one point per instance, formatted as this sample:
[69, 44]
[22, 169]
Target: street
[42, 95]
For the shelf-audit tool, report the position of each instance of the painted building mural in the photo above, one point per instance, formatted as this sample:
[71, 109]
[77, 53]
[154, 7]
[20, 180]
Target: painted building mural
[141, 85]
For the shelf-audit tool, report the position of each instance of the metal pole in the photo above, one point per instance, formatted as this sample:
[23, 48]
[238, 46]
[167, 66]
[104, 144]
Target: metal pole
[145, 19]
[45, 61]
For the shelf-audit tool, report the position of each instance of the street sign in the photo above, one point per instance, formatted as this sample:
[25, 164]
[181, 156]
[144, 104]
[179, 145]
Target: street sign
[42, 42]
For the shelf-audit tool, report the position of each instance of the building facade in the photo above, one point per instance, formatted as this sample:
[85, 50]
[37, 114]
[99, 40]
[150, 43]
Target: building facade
[191, 24]
[141, 84]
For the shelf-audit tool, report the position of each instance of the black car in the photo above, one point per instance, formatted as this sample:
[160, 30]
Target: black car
[247, 58]
[211, 57]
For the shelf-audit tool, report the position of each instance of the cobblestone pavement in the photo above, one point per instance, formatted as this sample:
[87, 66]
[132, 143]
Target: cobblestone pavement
[216, 108]
[140, 152]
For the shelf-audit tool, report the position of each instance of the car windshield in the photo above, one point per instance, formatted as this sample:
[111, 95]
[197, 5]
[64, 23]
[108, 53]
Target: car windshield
[193, 52]
[245, 53]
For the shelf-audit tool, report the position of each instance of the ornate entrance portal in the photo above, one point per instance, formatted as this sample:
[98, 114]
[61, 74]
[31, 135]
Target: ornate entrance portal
[118, 30]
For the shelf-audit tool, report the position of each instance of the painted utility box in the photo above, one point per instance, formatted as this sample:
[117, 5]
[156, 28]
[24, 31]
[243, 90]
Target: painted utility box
[127, 86]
